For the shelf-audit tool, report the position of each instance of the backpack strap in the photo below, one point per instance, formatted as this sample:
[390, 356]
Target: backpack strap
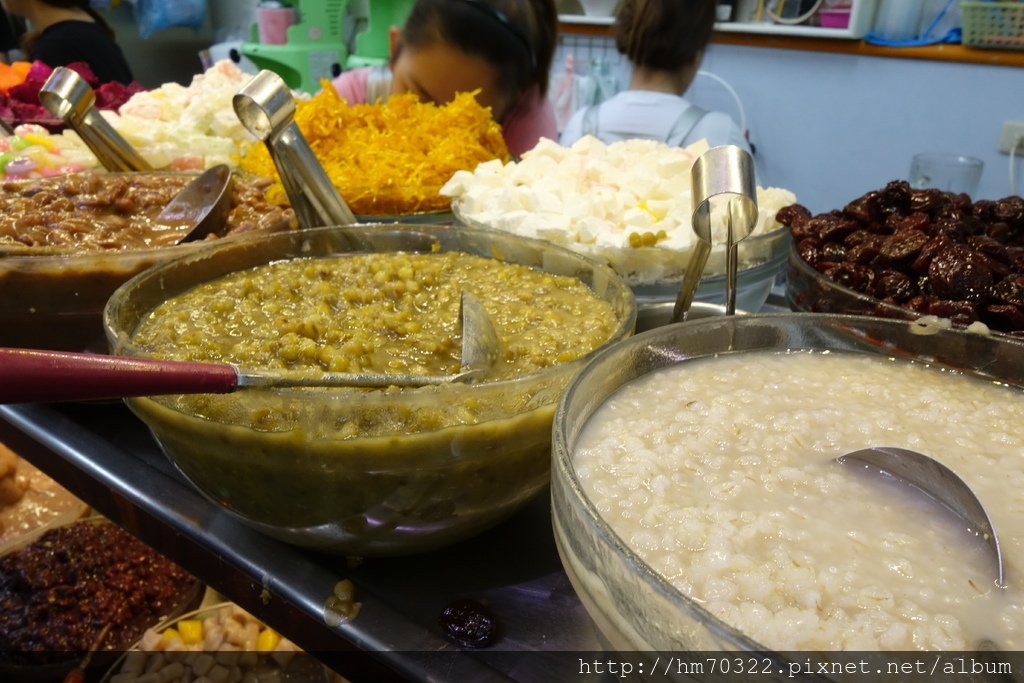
[588, 126]
[686, 122]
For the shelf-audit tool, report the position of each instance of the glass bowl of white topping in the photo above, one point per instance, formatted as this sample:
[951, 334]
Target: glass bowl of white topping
[626, 204]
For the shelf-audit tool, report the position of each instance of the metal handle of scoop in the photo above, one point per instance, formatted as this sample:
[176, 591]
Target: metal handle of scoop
[266, 108]
[36, 376]
[67, 96]
[724, 170]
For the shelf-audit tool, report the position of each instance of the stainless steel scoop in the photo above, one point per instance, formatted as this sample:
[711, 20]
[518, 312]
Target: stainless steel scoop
[266, 108]
[201, 207]
[724, 170]
[939, 482]
[67, 96]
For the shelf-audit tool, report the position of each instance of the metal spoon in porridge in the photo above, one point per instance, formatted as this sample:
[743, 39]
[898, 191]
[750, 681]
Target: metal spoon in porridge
[30, 375]
[939, 482]
[724, 170]
[67, 96]
[201, 207]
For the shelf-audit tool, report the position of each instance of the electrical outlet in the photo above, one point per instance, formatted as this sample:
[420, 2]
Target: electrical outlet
[1012, 130]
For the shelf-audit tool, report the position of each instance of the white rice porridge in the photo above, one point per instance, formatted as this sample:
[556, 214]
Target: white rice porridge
[719, 474]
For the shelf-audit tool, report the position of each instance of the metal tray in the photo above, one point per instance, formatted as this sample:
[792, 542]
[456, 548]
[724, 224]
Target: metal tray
[104, 455]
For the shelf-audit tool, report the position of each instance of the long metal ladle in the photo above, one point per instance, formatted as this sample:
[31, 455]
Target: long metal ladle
[724, 170]
[939, 482]
[67, 96]
[30, 375]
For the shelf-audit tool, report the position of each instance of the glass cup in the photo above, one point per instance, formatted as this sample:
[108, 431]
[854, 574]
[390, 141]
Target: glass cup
[897, 19]
[949, 172]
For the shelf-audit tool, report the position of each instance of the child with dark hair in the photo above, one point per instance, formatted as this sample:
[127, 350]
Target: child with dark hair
[503, 48]
[664, 41]
[65, 31]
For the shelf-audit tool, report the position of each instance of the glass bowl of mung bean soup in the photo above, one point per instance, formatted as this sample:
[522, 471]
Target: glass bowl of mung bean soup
[357, 471]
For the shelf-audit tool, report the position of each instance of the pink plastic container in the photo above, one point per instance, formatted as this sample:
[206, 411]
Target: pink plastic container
[273, 23]
[834, 18]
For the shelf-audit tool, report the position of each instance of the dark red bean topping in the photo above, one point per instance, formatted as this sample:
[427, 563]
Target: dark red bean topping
[928, 251]
[958, 272]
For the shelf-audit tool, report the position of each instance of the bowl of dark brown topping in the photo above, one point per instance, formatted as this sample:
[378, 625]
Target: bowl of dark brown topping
[67, 242]
[59, 591]
[904, 253]
[369, 471]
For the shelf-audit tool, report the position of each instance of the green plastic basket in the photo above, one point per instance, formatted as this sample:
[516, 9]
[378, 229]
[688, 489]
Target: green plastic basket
[997, 25]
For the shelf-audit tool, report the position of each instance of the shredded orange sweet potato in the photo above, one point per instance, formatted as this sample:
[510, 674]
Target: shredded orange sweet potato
[390, 158]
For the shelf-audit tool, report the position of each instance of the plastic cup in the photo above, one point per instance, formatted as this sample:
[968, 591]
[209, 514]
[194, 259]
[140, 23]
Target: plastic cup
[898, 19]
[273, 23]
[949, 172]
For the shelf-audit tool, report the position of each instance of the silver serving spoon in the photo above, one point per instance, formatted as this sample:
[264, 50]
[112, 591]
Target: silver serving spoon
[266, 109]
[201, 207]
[939, 482]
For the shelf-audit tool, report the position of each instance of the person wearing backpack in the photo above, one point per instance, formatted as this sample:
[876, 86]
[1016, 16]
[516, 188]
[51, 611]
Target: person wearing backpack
[664, 41]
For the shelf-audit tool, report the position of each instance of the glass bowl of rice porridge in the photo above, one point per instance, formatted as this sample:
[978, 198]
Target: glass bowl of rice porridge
[697, 507]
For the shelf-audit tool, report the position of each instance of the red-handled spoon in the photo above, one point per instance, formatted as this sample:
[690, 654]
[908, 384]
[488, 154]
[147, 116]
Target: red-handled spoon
[33, 376]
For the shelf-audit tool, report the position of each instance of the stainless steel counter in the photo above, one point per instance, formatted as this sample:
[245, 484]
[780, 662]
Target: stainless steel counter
[107, 457]
[103, 454]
